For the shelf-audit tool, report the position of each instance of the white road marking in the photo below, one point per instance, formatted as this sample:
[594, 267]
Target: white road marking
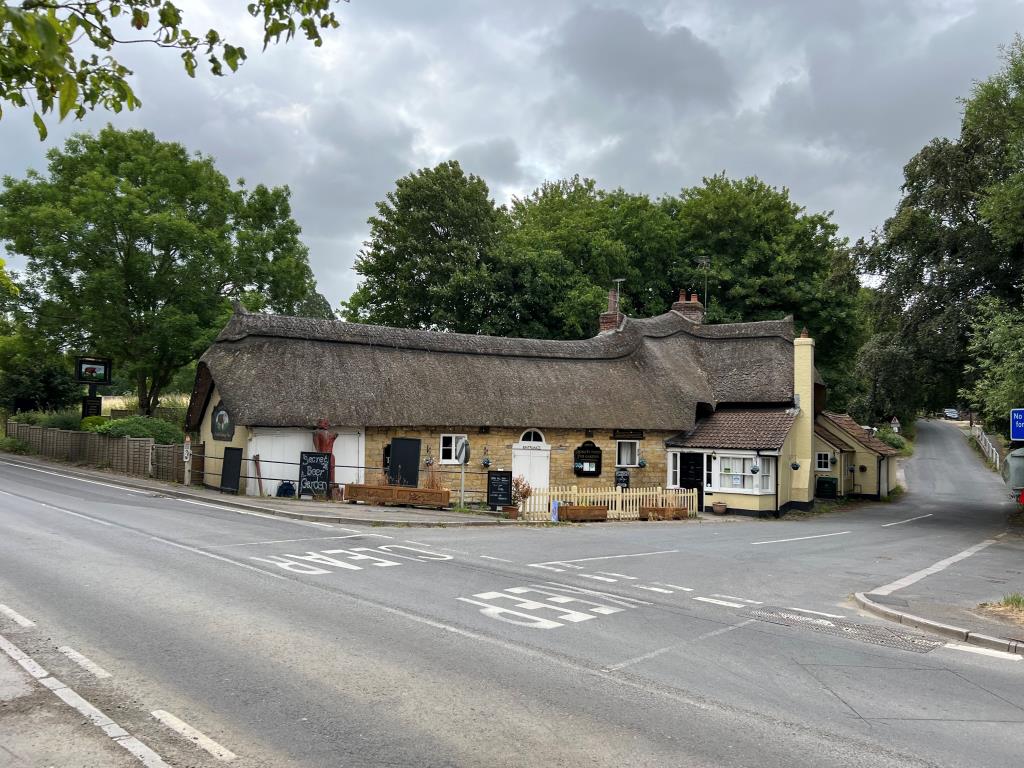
[984, 651]
[311, 538]
[16, 617]
[800, 538]
[719, 602]
[59, 509]
[666, 649]
[741, 599]
[417, 543]
[653, 589]
[597, 578]
[194, 735]
[915, 577]
[674, 586]
[817, 613]
[322, 525]
[79, 479]
[619, 575]
[125, 740]
[568, 563]
[84, 662]
[901, 522]
[237, 511]
[488, 557]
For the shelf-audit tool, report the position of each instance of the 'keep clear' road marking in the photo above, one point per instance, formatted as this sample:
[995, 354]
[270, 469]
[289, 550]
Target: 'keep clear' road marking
[552, 565]
[16, 617]
[901, 522]
[199, 738]
[800, 538]
[85, 663]
[311, 563]
[568, 604]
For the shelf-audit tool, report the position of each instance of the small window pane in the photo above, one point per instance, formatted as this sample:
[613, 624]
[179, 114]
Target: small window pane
[627, 453]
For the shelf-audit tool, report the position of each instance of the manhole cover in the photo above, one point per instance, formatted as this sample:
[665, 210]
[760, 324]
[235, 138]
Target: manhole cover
[868, 633]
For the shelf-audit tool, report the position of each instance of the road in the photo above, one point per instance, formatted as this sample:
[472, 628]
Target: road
[650, 644]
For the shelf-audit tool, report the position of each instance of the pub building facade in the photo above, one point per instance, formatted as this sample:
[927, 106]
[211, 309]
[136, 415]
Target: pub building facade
[734, 410]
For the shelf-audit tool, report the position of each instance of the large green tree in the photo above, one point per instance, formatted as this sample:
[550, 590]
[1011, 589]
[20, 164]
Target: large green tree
[61, 54]
[957, 236]
[996, 367]
[134, 247]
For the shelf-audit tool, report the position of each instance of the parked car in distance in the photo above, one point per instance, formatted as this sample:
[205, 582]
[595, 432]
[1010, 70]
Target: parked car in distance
[951, 413]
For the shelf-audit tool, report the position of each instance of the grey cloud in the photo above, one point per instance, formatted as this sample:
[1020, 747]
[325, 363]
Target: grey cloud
[497, 161]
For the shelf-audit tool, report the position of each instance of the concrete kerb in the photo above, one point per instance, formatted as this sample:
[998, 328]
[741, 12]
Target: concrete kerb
[946, 630]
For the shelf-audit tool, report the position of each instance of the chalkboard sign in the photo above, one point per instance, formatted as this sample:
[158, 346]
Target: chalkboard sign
[499, 489]
[586, 460]
[622, 478]
[314, 473]
[231, 470]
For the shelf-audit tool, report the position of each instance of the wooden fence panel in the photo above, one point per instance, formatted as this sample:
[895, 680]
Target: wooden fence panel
[622, 504]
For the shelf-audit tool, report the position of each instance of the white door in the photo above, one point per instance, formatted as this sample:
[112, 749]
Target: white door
[531, 458]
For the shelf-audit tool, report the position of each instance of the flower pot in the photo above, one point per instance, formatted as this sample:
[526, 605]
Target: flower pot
[719, 507]
[510, 513]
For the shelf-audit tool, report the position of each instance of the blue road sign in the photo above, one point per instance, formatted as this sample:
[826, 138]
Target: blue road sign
[1017, 424]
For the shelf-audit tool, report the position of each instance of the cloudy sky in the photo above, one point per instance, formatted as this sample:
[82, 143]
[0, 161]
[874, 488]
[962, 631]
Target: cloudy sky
[827, 97]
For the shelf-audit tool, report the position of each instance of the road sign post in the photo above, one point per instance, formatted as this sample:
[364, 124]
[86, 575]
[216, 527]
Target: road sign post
[462, 456]
[1017, 424]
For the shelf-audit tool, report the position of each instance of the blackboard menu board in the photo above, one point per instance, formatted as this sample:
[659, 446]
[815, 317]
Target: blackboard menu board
[586, 460]
[231, 470]
[622, 478]
[499, 489]
[314, 473]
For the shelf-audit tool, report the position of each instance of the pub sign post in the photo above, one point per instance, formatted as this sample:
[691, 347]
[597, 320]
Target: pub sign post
[92, 371]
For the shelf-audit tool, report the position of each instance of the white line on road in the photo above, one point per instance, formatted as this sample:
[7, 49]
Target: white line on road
[16, 617]
[72, 477]
[487, 557]
[408, 541]
[84, 662]
[322, 525]
[666, 649]
[817, 613]
[675, 586]
[619, 575]
[125, 740]
[597, 578]
[653, 589]
[984, 651]
[800, 538]
[720, 602]
[901, 522]
[58, 509]
[311, 538]
[741, 599]
[942, 565]
[193, 735]
[605, 557]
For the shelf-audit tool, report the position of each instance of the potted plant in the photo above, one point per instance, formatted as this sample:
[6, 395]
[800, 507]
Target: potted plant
[521, 491]
[719, 507]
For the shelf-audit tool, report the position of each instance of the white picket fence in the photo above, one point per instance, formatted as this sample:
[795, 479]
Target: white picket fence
[622, 503]
[990, 451]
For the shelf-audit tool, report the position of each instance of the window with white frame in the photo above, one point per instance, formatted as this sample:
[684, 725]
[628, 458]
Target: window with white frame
[673, 469]
[746, 474]
[822, 462]
[532, 436]
[448, 443]
[627, 453]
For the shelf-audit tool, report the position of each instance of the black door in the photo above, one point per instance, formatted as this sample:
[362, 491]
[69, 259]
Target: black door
[404, 461]
[691, 474]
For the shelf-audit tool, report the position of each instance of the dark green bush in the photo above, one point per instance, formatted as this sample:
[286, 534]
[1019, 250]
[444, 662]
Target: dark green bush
[92, 423]
[35, 418]
[143, 426]
[891, 439]
[13, 445]
[62, 420]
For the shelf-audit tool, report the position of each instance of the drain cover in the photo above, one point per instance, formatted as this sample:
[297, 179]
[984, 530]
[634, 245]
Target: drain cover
[868, 633]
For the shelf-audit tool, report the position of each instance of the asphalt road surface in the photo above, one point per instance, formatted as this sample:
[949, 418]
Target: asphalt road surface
[650, 644]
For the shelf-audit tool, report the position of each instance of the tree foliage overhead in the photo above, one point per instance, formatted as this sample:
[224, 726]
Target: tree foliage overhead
[996, 348]
[58, 55]
[443, 256]
[957, 236]
[134, 246]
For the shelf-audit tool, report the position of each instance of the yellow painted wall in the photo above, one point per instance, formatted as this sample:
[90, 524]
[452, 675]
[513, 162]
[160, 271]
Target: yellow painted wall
[802, 483]
[744, 501]
[837, 470]
[215, 448]
[499, 441]
[862, 483]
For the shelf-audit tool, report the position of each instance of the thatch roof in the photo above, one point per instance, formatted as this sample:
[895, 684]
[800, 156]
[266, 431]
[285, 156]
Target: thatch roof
[649, 374]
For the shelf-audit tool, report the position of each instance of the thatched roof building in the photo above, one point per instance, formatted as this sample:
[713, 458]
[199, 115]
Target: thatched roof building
[656, 373]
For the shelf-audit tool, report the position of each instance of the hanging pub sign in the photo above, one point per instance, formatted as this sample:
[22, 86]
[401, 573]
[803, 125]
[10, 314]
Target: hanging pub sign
[499, 489]
[627, 434]
[586, 460]
[92, 370]
[222, 426]
[622, 478]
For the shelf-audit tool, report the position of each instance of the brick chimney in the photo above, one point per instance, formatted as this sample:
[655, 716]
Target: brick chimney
[612, 319]
[690, 308]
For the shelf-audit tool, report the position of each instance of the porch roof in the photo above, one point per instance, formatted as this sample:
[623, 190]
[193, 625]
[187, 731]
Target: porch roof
[740, 428]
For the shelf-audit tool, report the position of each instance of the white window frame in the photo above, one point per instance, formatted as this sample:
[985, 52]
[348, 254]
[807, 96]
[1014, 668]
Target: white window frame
[636, 453]
[454, 441]
[674, 464]
[769, 462]
[818, 463]
[543, 440]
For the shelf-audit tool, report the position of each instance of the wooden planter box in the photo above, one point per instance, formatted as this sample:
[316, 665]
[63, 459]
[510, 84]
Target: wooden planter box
[577, 513]
[397, 494]
[664, 513]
